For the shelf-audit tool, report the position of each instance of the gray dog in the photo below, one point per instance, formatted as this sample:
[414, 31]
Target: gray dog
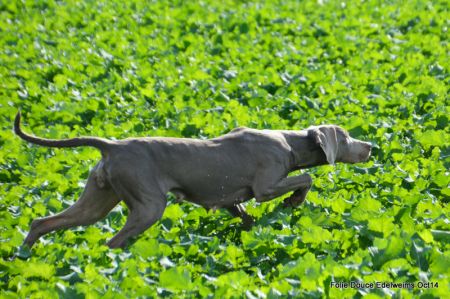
[221, 172]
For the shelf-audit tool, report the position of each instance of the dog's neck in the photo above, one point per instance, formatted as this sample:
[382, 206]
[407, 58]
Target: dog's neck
[306, 151]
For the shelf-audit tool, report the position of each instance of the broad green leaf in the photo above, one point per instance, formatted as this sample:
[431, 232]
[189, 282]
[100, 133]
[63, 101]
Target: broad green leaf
[433, 138]
[175, 279]
[383, 225]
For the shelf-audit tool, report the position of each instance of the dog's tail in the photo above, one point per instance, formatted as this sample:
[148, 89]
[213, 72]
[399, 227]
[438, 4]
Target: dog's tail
[100, 143]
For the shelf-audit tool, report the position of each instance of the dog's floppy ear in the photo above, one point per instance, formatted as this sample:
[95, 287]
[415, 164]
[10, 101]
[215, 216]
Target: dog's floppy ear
[326, 137]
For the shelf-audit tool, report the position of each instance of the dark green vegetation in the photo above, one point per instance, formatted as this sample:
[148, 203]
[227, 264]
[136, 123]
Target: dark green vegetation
[129, 68]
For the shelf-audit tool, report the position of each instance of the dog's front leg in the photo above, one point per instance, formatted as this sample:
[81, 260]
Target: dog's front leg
[297, 198]
[265, 189]
[239, 211]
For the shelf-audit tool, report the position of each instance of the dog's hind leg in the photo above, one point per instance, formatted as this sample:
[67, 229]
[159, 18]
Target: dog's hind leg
[146, 206]
[97, 199]
[139, 219]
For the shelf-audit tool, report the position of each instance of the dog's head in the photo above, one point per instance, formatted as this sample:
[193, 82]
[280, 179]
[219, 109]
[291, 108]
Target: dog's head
[338, 146]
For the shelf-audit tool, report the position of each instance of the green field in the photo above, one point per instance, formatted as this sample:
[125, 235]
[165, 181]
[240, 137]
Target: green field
[118, 69]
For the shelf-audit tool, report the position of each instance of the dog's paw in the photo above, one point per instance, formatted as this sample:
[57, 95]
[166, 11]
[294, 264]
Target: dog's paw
[296, 199]
[23, 253]
[247, 222]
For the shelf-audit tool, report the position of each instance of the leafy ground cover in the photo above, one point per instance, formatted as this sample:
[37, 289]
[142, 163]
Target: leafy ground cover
[198, 69]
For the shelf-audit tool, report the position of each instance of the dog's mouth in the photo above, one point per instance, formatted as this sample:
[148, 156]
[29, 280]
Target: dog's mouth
[366, 158]
[365, 151]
